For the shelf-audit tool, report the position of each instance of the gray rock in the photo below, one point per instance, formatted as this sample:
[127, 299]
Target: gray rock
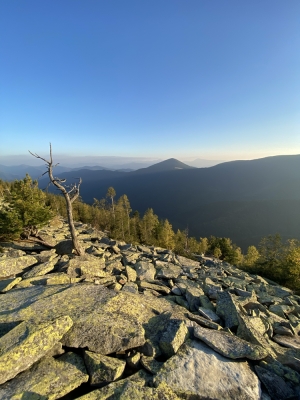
[130, 287]
[151, 365]
[8, 284]
[203, 321]
[173, 337]
[281, 309]
[145, 270]
[153, 286]
[27, 343]
[209, 314]
[15, 265]
[131, 390]
[47, 379]
[287, 341]
[229, 345]
[227, 309]
[64, 247]
[41, 269]
[193, 297]
[131, 274]
[206, 303]
[167, 270]
[276, 386]
[198, 372]
[144, 249]
[103, 369]
[176, 291]
[187, 262]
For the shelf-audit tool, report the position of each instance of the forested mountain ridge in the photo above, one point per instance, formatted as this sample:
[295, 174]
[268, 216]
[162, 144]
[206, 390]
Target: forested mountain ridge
[243, 200]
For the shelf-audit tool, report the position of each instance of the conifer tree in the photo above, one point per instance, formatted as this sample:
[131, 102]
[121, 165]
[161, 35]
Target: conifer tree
[148, 226]
[166, 235]
[251, 256]
[23, 209]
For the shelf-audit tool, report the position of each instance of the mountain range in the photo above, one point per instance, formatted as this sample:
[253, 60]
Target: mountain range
[125, 164]
[243, 200]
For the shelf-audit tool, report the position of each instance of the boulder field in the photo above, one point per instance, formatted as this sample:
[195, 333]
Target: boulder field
[139, 322]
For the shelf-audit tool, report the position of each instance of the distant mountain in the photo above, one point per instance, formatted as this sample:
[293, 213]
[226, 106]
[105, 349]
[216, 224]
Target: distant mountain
[19, 171]
[243, 200]
[10, 173]
[168, 165]
[202, 163]
[93, 168]
[133, 166]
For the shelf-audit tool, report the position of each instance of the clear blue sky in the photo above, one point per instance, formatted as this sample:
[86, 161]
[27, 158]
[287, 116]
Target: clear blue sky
[215, 79]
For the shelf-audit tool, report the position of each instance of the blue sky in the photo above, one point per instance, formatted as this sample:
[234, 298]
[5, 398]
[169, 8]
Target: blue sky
[150, 78]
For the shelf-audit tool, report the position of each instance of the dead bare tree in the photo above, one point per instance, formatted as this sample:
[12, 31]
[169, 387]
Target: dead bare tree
[70, 193]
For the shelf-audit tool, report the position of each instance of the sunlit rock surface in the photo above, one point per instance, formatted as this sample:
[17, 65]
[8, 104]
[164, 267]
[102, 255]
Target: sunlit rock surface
[139, 322]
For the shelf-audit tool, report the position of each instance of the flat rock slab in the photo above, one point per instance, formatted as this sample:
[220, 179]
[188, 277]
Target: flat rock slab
[131, 390]
[168, 271]
[153, 286]
[209, 314]
[106, 333]
[198, 372]
[229, 345]
[27, 343]
[104, 321]
[287, 341]
[12, 266]
[203, 321]
[86, 264]
[41, 269]
[8, 284]
[57, 278]
[47, 379]
[186, 262]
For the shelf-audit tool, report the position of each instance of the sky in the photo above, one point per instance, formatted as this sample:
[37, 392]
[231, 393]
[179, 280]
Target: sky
[217, 80]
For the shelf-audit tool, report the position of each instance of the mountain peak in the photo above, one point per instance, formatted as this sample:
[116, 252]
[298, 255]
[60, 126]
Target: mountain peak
[166, 165]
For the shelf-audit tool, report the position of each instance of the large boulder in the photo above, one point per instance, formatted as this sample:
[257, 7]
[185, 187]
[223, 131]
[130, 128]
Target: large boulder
[198, 372]
[11, 266]
[145, 270]
[229, 345]
[27, 343]
[47, 379]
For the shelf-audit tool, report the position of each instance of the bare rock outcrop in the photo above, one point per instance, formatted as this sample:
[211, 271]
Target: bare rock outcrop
[139, 322]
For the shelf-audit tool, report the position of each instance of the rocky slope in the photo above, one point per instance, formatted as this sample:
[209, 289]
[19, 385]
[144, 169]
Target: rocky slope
[139, 322]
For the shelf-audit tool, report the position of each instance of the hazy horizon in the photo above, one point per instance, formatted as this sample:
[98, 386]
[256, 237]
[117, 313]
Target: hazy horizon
[108, 161]
[210, 80]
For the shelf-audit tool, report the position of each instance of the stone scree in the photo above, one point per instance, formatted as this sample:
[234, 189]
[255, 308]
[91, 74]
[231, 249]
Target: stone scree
[139, 322]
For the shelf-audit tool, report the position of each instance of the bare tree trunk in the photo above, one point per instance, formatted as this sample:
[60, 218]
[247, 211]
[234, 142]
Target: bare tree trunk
[70, 196]
[75, 241]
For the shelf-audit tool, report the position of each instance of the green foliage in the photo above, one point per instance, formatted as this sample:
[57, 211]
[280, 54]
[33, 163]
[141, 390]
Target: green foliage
[148, 227]
[251, 256]
[217, 252]
[203, 245]
[224, 249]
[22, 204]
[276, 260]
[166, 235]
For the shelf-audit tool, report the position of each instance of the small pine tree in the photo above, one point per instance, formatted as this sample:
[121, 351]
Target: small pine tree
[23, 207]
